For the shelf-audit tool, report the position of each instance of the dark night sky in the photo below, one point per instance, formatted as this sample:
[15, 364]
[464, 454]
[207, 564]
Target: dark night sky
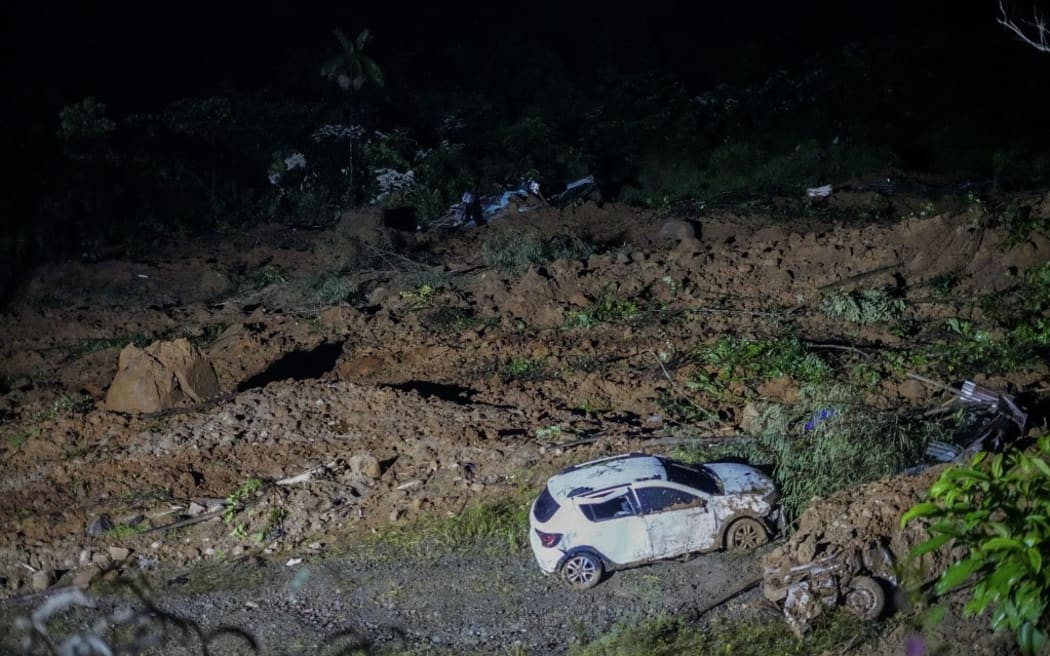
[143, 53]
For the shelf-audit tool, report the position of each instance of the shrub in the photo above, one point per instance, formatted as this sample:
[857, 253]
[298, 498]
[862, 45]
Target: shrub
[740, 358]
[998, 508]
[513, 251]
[867, 306]
[828, 442]
[610, 307]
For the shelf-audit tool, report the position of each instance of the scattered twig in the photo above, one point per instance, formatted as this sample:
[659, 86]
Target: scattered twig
[389, 257]
[186, 522]
[305, 476]
[697, 613]
[933, 383]
[859, 276]
[1040, 41]
[838, 347]
[677, 391]
[568, 445]
[752, 313]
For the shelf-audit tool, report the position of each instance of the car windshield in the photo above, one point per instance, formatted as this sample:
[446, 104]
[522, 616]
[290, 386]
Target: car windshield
[545, 506]
[695, 477]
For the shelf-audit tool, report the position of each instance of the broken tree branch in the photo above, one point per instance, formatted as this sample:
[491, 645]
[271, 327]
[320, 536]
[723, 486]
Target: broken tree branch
[696, 613]
[838, 347]
[1037, 26]
[186, 522]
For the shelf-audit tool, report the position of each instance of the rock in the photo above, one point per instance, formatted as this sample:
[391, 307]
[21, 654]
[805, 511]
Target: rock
[163, 375]
[99, 525]
[913, 390]
[86, 575]
[365, 464]
[119, 553]
[676, 230]
[194, 509]
[41, 580]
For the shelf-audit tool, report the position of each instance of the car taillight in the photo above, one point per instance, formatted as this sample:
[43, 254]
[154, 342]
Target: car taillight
[548, 539]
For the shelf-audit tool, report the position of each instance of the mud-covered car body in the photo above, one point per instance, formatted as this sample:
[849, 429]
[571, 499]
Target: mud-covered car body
[639, 508]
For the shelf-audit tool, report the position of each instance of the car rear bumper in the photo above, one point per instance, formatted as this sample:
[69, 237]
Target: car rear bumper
[548, 558]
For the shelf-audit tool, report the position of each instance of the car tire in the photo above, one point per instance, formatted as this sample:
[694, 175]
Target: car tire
[582, 570]
[746, 534]
[865, 598]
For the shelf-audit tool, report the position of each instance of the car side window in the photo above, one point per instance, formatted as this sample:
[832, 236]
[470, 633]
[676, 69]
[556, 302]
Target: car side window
[620, 506]
[662, 499]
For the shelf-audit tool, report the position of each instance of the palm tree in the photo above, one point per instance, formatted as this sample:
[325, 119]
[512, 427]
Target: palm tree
[351, 69]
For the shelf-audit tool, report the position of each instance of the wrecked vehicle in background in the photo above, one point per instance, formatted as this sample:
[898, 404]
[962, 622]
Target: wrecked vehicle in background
[474, 210]
[847, 547]
[627, 510]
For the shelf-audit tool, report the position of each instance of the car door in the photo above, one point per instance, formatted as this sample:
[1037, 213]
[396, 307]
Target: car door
[615, 528]
[677, 521]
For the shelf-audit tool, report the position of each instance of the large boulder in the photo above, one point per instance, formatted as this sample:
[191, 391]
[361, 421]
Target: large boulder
[161, 376]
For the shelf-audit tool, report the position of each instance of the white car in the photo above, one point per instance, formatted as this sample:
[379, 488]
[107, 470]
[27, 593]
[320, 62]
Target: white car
[626, 510]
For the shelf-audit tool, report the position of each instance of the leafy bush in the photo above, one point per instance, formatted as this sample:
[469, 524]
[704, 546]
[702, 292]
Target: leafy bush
[332, 289]
[743, 359]
[998, 508]
[973, 348]
[522, 368]
[867, 306]
[610, 307]
[511, 250]
[830, 441]
[1020, 223]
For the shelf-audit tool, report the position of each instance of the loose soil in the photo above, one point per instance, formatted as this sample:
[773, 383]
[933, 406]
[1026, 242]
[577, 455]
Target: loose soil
[460, 380]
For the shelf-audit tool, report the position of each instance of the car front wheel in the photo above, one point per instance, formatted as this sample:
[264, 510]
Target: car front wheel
[746, 534]
[865, 598]
[582, 570]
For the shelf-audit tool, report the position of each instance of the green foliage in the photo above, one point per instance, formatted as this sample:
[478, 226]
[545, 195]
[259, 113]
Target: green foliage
[732, 359]
[124, 532]
[332, 289]
[515, 250]
[84, 120]
[998, 508]
[974, 349]
[237, 498]
[420, 297]
[18, 440]
[829, 441]
[751, 635]
[942, 285]
[865, 307]
[522, 368]
[610, 307]
[1019, 223]
[352, 64]
[1019, 339]
[493, 527]
[269, 274]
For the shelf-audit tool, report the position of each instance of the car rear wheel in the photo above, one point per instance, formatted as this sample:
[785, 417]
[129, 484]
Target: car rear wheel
[746, 534]
[582, 570]
[865, 598]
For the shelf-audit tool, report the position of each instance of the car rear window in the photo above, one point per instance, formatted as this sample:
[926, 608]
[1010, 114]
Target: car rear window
[545, 506]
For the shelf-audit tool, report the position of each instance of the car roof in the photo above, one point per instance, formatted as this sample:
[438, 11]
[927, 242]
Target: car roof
[606, 473]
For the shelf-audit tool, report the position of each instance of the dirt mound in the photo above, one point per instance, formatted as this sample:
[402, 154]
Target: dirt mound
[162, 376]
[849, 547]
